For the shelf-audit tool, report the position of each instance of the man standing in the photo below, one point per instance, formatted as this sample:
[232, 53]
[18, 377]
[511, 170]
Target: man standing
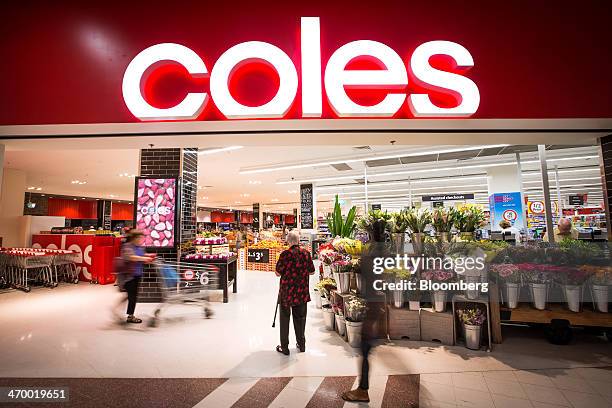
[564, 230]
[294, 267]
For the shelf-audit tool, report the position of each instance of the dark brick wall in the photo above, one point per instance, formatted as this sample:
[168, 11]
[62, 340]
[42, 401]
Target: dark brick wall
[42, 204]
[163, 163]
[606, 154]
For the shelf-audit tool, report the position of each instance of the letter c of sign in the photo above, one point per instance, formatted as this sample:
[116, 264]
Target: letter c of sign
[188, 108]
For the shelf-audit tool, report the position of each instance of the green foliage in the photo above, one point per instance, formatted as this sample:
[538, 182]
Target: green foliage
[340, 226]
[417, 219]
[399, 224]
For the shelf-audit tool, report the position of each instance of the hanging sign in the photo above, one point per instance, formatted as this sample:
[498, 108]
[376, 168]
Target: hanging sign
[448, 197]
[306, 206]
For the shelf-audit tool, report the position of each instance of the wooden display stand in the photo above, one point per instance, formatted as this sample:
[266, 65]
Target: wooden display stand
[270, 266]
[403, 324]
[437, 327]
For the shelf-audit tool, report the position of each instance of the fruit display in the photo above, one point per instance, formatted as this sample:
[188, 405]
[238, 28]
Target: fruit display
[156, 211]
[269, 244]
[207, 257]
[213, 240]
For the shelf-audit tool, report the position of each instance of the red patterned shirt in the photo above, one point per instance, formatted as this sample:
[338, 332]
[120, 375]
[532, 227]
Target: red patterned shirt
[294, 266]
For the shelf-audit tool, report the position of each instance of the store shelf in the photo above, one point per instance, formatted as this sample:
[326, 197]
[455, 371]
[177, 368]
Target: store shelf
[524, 313]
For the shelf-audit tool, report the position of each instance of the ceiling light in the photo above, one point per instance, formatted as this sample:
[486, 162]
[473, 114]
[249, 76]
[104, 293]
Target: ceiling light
[367, 158]
[219, 150]
[31, 188]
[112, 195]
[274, 200]
[403, 182]
[403, 189]
[254, 182]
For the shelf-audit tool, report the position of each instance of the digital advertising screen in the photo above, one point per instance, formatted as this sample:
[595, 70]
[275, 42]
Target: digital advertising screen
[156, 211]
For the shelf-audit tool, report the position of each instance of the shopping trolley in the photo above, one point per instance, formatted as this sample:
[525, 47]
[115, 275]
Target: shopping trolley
[64, 263]
[185, 283]
[24, 265]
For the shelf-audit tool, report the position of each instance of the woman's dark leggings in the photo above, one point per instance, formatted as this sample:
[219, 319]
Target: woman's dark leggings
[131, 287]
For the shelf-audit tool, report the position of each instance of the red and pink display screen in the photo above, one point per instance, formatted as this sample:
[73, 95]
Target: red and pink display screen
[156, 211]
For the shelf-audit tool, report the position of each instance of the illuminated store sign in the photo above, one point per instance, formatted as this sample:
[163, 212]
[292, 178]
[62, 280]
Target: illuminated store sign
[336, 79]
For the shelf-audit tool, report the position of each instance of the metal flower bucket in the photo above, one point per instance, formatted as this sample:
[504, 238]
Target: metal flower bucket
[398, 240]
[398, 298]
[414, 305]
[439, 300]
[340, 325]
[329, 318]
[539, 295]
[417, 242]
[573, 297]
[511, 295]
[317, 298]
[343, 281]
[600, 297]
[353, 332]
[472, 277]
[472, 336]
[358, 281]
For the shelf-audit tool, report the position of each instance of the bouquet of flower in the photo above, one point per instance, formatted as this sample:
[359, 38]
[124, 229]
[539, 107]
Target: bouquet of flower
[443, 219]
[438, 275]
[473, 219]
[355, 309]
[325, 285]
[569, 275]
[506, 272]
[338, 308]
[600, 275]
[535, 273]
[472, 316]
[347, 246]
[329, 256]
[417, 219]
[342, 265]
[398, 222]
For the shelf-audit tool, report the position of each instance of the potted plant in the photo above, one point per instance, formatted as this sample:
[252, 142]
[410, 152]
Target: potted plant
[538, 277]
[601, 279]
[443, 220]
[468, 220]
[438, 296]
[509, 277]
[342, 274]
[355, 311]
[472, 319]
[340, 226]
[324, 286]
[398, 231]
[417, 220]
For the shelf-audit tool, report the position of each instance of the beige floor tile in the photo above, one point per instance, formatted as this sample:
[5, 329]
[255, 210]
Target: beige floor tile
[472, 398]
[502, 401]
[573, 384]
[546, 395]
[506, 388]
[472, 381]
[534, 378]
[544, 405]
[425, 403]
[597, 374]
[583, 400]
[500, 375]
[437, 392]
[441, 378]
[602, 387]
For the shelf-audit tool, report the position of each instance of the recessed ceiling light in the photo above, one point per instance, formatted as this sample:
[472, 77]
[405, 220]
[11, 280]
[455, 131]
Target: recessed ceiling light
[254, 182]
[275, 199]
[220, 149]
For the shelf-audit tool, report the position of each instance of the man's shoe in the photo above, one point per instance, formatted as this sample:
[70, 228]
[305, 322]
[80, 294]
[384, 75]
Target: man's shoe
[356, 395]
[301, 348]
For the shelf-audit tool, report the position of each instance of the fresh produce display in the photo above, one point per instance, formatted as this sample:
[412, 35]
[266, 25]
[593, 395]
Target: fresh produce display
[155, 211]
[197, 257]
[268, 244]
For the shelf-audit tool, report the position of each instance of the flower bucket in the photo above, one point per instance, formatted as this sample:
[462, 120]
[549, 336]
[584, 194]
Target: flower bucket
[600, 297]
[324, 301]
[417, 242]
[353, 332]
[443, 236]
[439, 300]
[471, 277]
[466, 236]
[539, 295]
[327, 272]
[343, 281]
[317, 298]
[398, 299]
[329, 318]
[398, 241]
[573, 297]
[340, 325]
[511, 295]
[358, 281]
[414, 305]
[472, 336]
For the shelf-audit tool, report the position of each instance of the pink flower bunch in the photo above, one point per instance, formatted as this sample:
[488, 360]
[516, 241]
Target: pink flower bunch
[506, 272]
[438, 275]
[329, 256]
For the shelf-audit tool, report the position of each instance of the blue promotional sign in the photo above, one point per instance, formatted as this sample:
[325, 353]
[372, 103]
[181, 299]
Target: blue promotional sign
[506, 206]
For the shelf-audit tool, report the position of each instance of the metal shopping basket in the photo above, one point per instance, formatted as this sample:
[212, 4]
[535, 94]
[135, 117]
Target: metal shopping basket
[22, 267]
[185, 283]
[64, 263]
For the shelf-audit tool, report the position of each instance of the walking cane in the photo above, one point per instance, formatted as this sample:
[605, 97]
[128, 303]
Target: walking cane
[276, 309]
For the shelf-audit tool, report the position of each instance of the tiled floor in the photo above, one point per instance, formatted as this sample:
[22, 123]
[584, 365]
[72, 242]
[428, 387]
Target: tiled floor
[67, 333]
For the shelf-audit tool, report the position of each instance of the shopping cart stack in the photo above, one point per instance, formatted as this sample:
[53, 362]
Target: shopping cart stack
[64, 264]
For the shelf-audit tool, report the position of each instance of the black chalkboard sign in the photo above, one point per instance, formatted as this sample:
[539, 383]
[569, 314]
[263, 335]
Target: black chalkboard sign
[256, 255]
[448, 197]
[256, 217]
[306, 206]
[376, 206]
[438, 204]
[576, 199]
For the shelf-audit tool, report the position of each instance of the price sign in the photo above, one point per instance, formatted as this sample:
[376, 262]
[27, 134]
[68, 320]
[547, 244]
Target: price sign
[306, 206]
[256, 255]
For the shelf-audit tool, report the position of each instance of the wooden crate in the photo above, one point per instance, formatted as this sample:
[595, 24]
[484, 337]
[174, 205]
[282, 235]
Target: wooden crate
[403, 324]
[437, 327]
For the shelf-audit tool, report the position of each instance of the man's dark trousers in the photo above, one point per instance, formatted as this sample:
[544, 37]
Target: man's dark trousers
[299, 324]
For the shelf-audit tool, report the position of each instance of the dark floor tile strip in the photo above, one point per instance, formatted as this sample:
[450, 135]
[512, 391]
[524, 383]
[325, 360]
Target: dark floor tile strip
[402, 391]
[329, 393]
[262, 393]
[125, 392]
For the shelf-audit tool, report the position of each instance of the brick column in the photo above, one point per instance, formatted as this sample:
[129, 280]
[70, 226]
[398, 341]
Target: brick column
[167, 163]
[605, 144]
